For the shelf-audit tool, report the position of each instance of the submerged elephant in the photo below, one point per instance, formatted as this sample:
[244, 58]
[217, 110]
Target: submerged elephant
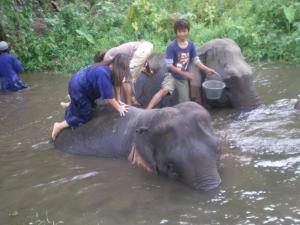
[174, 141]
[224, 56]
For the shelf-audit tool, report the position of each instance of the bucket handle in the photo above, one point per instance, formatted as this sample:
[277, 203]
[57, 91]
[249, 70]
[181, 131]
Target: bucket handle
[216, 73]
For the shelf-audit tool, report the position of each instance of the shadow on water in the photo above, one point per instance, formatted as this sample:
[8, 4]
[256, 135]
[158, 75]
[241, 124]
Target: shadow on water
[260, 166]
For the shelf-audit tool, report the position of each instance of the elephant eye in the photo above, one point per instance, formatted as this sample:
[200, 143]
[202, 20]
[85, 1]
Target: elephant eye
[172, 170]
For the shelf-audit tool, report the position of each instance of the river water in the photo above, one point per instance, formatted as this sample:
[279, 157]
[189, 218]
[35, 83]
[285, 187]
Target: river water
[260, 165]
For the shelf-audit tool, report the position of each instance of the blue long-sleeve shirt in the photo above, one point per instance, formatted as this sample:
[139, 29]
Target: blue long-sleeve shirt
[10, 66]
[93, 82]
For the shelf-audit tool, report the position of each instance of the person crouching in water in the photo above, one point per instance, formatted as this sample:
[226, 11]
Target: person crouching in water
[10, 66]
[90, 83]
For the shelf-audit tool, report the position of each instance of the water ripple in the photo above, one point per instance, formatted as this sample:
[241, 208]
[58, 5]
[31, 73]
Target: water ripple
[65, 180]
[272, 129]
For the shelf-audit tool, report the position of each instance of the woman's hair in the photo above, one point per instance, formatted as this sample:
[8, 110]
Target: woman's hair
[181, 24]
[99, 56]
[120, 69]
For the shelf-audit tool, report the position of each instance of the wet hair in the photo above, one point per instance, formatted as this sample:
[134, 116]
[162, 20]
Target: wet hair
[181, 24]
[120, 69]
[99, 56]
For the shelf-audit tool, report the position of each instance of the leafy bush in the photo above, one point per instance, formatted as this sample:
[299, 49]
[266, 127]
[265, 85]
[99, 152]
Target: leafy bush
[65, 40]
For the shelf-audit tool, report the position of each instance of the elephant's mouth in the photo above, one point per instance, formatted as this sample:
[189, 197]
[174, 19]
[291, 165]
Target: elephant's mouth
[136, 159]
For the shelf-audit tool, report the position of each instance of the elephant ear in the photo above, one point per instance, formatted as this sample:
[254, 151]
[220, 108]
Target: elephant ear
[144, 147]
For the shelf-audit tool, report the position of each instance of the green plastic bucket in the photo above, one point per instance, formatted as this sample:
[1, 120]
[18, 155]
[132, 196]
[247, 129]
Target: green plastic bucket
[213, 88]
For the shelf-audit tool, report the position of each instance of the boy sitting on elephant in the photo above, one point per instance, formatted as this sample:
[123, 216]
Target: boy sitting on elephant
[179, 54]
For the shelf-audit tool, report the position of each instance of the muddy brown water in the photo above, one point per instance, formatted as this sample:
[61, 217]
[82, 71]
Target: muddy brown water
[260, 165]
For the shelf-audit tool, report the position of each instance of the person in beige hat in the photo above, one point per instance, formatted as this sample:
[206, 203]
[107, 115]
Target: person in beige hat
[138, 52]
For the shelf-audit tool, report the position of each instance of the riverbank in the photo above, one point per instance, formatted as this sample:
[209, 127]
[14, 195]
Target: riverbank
[64, 36]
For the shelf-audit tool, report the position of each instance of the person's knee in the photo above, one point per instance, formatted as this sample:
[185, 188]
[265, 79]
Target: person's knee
[164, 91]
[183, 97]
[180, 100]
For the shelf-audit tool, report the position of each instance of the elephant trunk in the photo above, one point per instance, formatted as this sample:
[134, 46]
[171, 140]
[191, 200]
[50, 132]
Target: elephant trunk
[207, 182]
[242, 94]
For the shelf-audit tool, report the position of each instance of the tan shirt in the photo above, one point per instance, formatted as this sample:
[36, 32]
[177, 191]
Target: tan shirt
[127, 48]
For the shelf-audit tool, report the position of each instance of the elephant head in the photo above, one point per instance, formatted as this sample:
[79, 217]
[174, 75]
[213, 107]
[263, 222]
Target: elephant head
[224, 56]
[179, 142]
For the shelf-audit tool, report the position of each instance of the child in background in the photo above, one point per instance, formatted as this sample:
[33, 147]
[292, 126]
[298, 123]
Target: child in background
[139, 52]
[90, 83]
[10, 66]
[179, 54]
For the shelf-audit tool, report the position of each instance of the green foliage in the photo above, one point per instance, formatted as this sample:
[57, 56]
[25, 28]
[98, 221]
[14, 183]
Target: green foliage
[45, 39]
[289, 13]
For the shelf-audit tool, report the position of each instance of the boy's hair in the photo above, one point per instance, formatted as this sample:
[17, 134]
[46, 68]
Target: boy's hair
[120, 69]
[181, 24]
[99, 56]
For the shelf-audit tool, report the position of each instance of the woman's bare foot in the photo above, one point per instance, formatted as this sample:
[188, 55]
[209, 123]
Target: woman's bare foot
[57, 127]
[65, 104]
[55, 131]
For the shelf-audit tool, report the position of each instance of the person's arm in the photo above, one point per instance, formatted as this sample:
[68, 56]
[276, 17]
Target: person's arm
[117, 91]
[106, 90]
[199, 64]
[17, 65]
[196, 60]
[127, 88]
[122, 109]
[206, 69]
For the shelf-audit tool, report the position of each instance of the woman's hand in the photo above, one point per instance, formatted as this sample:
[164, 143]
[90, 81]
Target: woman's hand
[121, 103]
[123, 109]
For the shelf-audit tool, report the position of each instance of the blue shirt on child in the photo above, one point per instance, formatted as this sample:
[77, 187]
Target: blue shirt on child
[180, 57]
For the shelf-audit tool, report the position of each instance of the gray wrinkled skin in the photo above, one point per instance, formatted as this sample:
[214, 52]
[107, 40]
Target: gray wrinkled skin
[177, 142]
[224, 56]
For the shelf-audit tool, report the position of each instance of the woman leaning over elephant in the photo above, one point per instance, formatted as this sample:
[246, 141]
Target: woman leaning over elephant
[90, 83]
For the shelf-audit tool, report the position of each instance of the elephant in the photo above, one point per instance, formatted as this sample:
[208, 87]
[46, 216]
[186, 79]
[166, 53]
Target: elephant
[222, 55]
[177, 142]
